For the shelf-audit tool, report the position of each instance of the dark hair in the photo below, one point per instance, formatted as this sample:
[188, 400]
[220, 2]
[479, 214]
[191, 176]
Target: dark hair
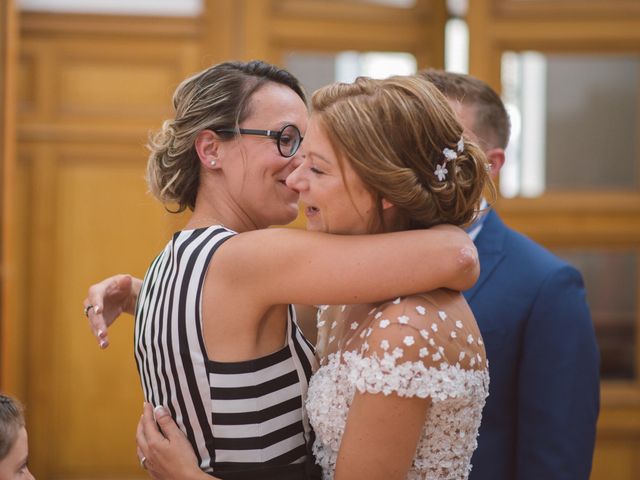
[218, 97]
[11, 420]
[491, 121]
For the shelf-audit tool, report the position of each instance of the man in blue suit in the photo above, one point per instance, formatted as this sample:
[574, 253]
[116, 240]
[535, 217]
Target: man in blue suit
[539, 421]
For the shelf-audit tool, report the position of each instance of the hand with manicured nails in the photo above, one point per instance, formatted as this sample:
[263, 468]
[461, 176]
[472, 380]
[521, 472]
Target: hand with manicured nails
[107, 300]
[167, 452]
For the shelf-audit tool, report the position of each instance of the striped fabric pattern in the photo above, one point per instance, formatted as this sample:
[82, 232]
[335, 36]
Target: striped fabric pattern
[237, 415]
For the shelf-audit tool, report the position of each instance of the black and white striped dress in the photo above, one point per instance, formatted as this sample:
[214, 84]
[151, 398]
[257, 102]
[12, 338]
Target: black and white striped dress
[239, 416]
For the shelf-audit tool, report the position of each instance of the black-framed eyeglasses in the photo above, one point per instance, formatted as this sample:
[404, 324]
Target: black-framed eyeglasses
[288, 138]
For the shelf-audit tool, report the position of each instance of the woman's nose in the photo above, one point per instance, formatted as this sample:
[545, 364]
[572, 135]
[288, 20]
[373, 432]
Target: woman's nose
[295, 180]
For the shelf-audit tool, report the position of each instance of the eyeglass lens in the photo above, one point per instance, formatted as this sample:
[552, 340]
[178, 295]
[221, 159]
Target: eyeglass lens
[289, 140]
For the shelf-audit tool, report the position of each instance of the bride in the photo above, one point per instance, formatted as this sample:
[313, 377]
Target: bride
[401, 384]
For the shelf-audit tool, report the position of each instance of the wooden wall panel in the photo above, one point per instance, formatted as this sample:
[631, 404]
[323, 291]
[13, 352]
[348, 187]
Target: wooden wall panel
[11, 333]
[90, 198]
[88, 97]
[330, 26]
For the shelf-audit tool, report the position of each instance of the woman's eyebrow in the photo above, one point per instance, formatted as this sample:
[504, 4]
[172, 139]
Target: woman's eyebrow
[315, 155]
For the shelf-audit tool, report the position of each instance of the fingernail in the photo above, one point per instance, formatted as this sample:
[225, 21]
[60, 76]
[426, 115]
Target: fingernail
[104, 344]
[97, 309]
[159, 412]
[100, 332]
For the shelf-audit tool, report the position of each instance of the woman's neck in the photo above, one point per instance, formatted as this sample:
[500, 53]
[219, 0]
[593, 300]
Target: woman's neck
[218, 208]
[204, 216]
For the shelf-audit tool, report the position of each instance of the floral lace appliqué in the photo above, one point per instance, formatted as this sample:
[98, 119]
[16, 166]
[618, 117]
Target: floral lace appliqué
[449, 434]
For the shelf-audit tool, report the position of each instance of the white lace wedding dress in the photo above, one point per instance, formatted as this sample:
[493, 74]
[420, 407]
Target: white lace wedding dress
[425, 346]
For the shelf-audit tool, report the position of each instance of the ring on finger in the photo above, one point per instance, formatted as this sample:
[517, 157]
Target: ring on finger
[86, 310]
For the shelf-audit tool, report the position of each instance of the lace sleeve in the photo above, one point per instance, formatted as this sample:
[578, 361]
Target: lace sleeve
[425, 346]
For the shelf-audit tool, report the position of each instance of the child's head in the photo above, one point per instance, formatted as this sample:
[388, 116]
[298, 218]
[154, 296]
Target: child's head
[14, 449]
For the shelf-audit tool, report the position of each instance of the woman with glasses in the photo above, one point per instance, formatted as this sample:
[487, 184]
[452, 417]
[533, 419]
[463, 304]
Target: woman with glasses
[216, 340]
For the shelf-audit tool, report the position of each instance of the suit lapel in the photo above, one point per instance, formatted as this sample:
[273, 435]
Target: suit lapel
[490, 245]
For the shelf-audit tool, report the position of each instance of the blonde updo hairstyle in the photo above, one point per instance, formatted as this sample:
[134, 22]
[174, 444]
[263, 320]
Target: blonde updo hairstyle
[218, 97]
[393, 133]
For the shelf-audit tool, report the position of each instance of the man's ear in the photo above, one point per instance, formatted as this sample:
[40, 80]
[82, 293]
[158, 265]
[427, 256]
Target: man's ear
[495, 157]
[208, 147]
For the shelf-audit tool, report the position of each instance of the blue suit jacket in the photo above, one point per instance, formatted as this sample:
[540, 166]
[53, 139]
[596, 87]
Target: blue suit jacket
[540, 416]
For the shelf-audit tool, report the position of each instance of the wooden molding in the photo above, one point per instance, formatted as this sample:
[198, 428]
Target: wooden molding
[356, 12]
[70, 24]
[12, 334]
[570, 10]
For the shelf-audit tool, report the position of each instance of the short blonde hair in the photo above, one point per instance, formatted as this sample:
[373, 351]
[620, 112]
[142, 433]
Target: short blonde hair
[393, 133]
[11, 421]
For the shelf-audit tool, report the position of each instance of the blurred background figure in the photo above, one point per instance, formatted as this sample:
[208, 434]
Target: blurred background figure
[531, 306]
[14, 445]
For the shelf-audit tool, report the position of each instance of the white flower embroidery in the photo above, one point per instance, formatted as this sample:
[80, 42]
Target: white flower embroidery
[453, 334]
[378, 315]
[457, 394]
[331, 338]
[421, 310]
[354, 325]
[342, 308]
[480, 342]
[333, 324]
[461, 356]
[369, 330]
[434, 327]
[403, 319]
[470, 339]
[423, 352]
[397, 352]
[460, 145]
[424, 334]
[384, 344]
[408, 340]
[436, 356]
[458, 324]
[441, 172]
[384, 323]
[321, 323]
[396, 301]
[442, 315]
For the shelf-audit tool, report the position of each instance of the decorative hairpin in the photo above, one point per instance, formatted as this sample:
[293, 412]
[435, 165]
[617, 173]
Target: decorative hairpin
[449, 155]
